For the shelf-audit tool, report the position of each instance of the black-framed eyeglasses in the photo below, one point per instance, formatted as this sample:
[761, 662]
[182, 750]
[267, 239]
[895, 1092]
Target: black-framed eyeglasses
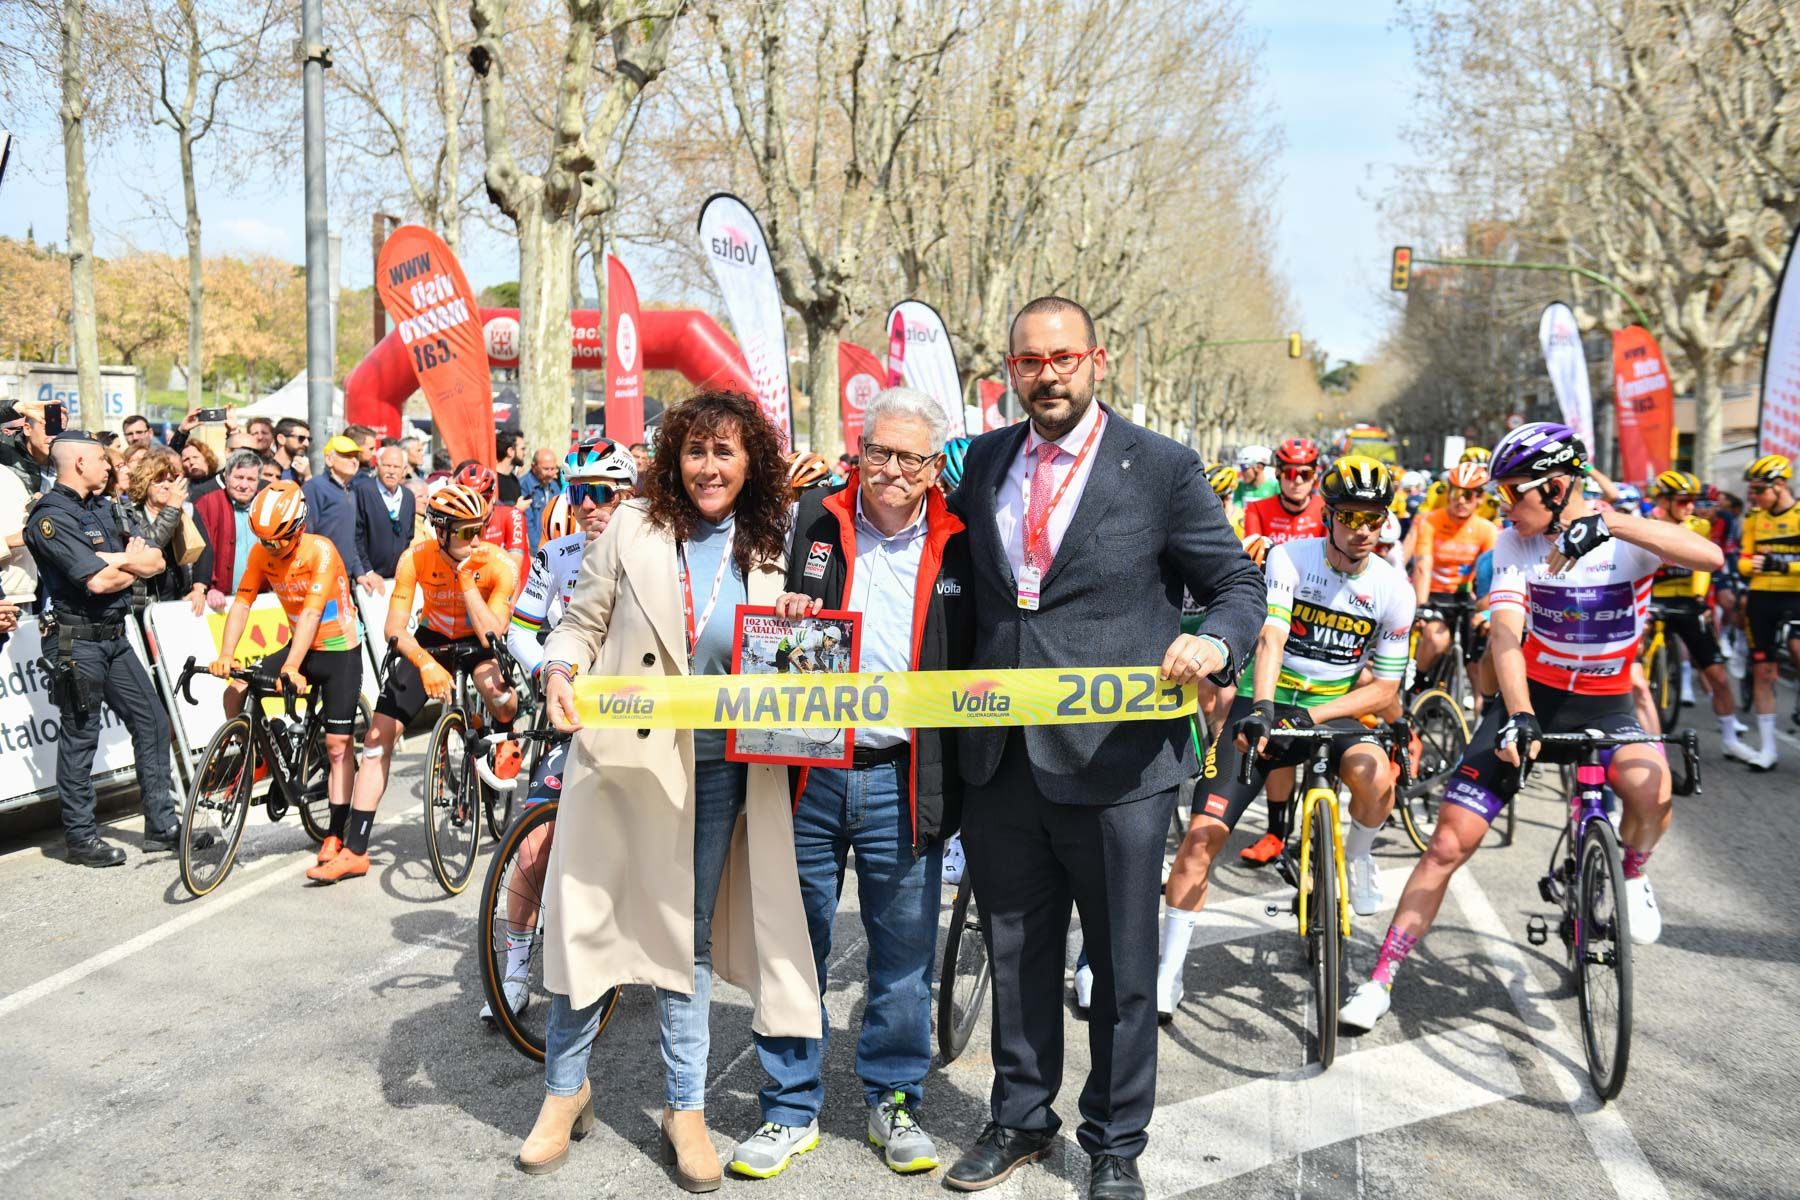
[602, 494]
[877, 455]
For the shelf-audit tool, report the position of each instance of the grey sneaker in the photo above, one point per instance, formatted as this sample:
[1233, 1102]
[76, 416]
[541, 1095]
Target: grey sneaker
[905, 1146]
[765, 1153]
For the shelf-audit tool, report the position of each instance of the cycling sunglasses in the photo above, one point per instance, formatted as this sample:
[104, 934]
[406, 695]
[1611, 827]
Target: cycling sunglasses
[1298, 474]
[458, 533]
[1351, 518]
[1512, 492]
[601, 494]
[1457, 493]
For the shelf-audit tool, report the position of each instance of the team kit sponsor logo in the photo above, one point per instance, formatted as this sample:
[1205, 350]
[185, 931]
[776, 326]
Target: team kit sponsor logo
[1328, 636]
[816, 560]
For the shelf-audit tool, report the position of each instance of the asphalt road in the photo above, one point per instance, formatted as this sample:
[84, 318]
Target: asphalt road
[275, 1039]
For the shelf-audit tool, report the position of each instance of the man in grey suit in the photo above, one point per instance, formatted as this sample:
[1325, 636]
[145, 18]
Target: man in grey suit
[1083, 530]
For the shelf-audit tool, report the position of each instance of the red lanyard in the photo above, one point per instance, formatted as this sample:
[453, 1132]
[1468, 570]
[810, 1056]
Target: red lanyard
[1044, 525]
[687, 591]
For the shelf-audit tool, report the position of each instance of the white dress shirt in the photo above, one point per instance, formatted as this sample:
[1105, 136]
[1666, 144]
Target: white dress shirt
[1014, 500]
[883, 584]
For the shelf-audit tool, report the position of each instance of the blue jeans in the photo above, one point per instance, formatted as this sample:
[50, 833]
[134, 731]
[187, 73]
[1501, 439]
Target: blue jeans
[899, 894]
[718, 798]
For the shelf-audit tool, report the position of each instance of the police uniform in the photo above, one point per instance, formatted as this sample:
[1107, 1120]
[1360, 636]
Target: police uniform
[90, 660]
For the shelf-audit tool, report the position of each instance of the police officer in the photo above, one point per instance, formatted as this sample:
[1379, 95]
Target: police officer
[87, 567]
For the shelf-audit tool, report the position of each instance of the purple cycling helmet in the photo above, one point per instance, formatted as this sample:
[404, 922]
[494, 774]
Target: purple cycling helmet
[1539, 448]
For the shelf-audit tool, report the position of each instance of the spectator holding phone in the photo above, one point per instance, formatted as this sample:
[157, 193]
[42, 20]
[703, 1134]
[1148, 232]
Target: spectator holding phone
[27, 450]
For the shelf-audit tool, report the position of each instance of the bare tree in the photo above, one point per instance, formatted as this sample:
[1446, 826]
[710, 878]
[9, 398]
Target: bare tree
[547, 207]
[73, 112]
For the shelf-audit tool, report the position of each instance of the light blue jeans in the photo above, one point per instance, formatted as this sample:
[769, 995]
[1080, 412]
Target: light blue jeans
[569, 1039]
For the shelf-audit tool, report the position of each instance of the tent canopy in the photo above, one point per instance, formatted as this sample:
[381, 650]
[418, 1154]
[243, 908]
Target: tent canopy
[289, 400]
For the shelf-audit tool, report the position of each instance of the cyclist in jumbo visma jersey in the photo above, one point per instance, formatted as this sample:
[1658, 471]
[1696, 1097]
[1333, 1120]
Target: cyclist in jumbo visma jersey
[1334, 607]
[1570, 595]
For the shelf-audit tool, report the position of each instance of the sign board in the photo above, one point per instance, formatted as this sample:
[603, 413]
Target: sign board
[30, 725]
[55, 383]
[1454, 445]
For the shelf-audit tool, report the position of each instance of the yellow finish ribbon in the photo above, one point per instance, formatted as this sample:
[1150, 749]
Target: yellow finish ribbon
[925, 699]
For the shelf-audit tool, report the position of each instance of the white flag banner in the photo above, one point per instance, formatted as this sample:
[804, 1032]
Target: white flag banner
[920, 355]
[733, 241]
[1561, 339]
[1778, 423]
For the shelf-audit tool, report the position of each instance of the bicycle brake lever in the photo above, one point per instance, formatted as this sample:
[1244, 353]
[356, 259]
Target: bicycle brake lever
[185, 686]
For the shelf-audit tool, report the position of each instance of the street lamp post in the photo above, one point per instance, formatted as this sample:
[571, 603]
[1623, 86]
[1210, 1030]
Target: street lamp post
[320, 354]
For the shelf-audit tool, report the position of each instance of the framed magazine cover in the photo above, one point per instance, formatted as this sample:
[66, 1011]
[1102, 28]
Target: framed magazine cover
[826, 643]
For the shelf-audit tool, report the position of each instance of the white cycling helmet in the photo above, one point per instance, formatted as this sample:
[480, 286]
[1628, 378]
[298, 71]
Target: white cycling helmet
[601, 460]
[1390, 531]
[1254, 456]
[1414, 481]
[831, 633]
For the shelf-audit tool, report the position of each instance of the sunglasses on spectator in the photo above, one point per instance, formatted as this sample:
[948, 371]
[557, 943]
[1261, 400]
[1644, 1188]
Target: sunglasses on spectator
[602, 494]
[1351, 518]
[877, 455]
[1030, 366]
[1298, 474]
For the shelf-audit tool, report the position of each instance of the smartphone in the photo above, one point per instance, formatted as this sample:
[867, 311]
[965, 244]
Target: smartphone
[53, 419]
[211, 416]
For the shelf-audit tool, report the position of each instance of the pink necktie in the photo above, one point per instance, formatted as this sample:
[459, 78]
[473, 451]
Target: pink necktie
[1037, 554]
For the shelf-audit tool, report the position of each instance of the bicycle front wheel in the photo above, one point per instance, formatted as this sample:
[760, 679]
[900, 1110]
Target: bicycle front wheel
[314, 800]
[1325, 943]
[452, 801]
[218, 808]
[1665, 694]
[963, 978]
[1603, 959]
[1443, 736]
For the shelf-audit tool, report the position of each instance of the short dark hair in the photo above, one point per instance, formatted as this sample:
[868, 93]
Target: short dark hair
[357, 433]
[505, 440]
[135, 419]
[1045, 305]
[253, 422]
[286, 426]
[390, 441]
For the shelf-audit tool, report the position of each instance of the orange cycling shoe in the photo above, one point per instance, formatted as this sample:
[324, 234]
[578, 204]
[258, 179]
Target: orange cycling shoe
[328, 849]
[1263, 851]
[507, 759]
[347, 865]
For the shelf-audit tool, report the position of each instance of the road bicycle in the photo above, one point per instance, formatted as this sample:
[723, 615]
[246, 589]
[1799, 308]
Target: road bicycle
[1586, 878]
[1441, 724]
[284, 746]
[1321, 902]
[1450, 673]
[512, 915]
[458, 793]
[964, 975]
[1661, 668]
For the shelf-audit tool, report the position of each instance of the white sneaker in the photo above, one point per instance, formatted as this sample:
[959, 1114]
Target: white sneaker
[953, 861]
[1168, 995]
[1084, 987]
[1365, 887]
[1367, 1006]
[518, 995]
[1640, 902]
[1764, 759]
[1732, 747]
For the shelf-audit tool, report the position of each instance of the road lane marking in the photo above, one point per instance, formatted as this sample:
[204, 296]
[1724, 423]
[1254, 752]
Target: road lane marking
[1245, 916]
[1228, 1133]
[1562, 1057]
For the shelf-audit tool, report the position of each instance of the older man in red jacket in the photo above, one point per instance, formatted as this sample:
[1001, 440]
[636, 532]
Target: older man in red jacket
[224, 518]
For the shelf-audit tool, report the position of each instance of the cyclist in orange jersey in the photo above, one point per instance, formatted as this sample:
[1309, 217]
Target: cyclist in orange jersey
[1449, 540]
[307, 575]
[467, 587]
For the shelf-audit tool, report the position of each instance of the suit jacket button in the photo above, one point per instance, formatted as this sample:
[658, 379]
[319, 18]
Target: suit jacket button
[643, 733]
[649, 659]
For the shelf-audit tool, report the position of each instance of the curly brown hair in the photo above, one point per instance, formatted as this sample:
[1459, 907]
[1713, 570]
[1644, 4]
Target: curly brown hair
[152, 468]
[761, 513]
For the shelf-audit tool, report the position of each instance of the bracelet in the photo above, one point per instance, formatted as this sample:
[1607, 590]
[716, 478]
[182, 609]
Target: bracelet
[566, 670]
[1224, 650]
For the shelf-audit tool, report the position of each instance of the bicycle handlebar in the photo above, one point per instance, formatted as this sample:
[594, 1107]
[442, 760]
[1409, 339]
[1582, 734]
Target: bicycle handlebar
[1325, 733]
[244, 675]
[1593, 739]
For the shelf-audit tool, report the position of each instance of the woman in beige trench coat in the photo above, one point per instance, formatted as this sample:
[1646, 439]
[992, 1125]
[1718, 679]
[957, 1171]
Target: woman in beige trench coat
[669, 862]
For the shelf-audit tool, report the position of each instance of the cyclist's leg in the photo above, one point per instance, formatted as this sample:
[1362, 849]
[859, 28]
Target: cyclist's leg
[1434, 643]
[337, 676]
[234, 698]
[502, 702]
[1642, 702]
[1763, 614]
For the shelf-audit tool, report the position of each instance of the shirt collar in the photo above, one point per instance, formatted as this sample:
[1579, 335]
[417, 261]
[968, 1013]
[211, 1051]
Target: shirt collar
[912, 529]
[1070, 442]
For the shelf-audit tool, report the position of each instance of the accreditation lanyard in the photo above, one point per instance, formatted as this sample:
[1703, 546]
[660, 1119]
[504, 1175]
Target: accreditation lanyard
[1030, 580]
[694, 626]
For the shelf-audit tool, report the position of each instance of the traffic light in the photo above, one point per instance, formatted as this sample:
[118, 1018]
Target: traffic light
[1293, 345]
[1402, 273]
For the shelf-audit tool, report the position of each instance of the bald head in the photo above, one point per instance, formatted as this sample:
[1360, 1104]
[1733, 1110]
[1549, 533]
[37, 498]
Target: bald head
[79, 465]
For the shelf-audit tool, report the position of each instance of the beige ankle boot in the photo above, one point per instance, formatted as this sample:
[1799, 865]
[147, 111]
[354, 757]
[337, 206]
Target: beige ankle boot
[560, 1119]
[688, 1148]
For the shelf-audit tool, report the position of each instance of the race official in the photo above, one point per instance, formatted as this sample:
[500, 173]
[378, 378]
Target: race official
[883, 545]
[87, 567]
[1083, 530]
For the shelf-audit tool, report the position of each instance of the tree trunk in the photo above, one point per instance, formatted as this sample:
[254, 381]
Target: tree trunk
[449, 99]
[824, 432]
[1709, 416]
[81, 234]
[545, 378]
[196, 288]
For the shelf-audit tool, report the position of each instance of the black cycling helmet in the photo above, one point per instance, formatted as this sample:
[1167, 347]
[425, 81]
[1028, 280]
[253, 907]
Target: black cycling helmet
[1357, 479]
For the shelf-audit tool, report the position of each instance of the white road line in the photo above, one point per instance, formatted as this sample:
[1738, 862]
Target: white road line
[1246, 916]
[199, 911]
[1231, 1132]
[1562, 1057]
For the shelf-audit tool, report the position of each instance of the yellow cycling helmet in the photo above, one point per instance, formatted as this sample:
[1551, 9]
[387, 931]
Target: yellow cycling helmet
[1677, 483]
[1476, 454]
[1357, 478]
[1222, 477]
[1770, 468]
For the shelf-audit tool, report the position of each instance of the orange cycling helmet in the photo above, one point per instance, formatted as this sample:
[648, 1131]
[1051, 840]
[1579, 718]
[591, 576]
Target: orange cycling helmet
[278, 512]
[1469, 474]
[806, 471]
[479, 479]
[560, 519]
[458, 504]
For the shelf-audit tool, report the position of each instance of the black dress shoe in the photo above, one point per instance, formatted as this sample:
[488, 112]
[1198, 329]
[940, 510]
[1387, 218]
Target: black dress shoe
[96, 853]
[170, 839]
[1114, 1178]
[994, 1155]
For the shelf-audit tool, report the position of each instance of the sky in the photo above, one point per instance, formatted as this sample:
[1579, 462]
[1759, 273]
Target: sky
[1336, 74]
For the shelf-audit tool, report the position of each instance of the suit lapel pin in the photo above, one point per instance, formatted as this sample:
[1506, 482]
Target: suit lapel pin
[1124, 464]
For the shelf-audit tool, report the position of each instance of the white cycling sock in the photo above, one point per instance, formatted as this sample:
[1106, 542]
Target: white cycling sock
[1177, 932]
[1728, 727]
[1687, 678]
[518, 951]
[1359, 842]
[1765, 724]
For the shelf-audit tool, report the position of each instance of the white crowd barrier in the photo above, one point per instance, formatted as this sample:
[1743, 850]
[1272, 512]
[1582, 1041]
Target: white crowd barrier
[30, 725]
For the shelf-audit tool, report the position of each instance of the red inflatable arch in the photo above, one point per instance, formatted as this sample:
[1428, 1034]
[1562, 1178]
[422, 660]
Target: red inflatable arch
[673, 339]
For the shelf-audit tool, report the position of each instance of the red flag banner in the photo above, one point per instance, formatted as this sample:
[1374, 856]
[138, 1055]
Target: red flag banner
[426, 295]
[859, 378]
[991, 395]
[1643, 403]
[624, 357]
